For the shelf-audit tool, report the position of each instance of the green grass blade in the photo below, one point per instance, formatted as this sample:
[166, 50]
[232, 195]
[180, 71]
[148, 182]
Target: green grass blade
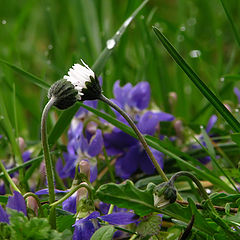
[33, 79]
[66, 116]
[234, 124]
[234, 28]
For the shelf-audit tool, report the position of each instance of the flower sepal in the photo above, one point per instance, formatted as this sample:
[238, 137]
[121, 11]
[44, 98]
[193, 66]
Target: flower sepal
[64, 94]
[164, 194]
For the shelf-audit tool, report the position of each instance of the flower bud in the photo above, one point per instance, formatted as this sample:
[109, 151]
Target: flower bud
[64, 93]
[164, 194]
[84, 81]
[85, 168]
[32, 204]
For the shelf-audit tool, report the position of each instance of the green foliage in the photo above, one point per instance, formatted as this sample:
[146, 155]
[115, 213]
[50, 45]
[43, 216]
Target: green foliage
[127, 196]
[104, 233]
[22, 228]
[149, 226]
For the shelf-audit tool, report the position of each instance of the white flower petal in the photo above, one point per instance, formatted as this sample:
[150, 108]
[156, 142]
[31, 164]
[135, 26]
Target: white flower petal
[78, 75]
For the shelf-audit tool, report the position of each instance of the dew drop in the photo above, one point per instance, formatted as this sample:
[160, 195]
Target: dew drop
[201, 127]
[195, 54]
[180, 38]
[222, 79]
[188, 90]
[182, 28]
[111, 43]
[50, 46]
[4, 21]
[208, 191]
[191, 21]
[236, 110]
[118, 33]
[127, 22]
[1, 117]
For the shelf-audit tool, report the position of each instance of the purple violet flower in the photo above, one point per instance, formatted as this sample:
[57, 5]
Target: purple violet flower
[133, 157]
[237, 93]
[15, 202]
[3, 216]
[85, 227]
[80, 148]
[210, 125]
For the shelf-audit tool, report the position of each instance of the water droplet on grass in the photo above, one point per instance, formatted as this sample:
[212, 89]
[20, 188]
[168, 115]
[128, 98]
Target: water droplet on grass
[195, 54]
[4, 21]
[127, 22]
[118, 32]
[180, 38]
[50, 46]
[222, 79]
[111, 43]
[191, 21]
[182, 28]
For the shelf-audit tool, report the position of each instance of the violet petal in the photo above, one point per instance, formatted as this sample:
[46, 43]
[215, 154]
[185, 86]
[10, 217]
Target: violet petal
[120, 218]
[17, 202]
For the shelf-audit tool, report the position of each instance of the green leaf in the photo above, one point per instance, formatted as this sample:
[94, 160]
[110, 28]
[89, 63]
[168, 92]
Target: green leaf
[229, 118]
[35, 228]
[231, 21]
[185, 213]
[65, 118]
[104, 233]
[236, 138]
[65, 222]
[33, 79]
[127, 196]
[221, 199]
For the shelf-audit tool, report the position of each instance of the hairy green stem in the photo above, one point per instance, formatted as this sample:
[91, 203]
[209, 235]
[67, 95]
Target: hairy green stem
[208, 204]
[48, 161]
[138, 133]
[71, 192]
[8, 177]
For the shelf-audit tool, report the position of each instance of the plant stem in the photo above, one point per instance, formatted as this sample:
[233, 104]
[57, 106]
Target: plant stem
[140, 136]
[8, 177]
[48, 161]
[208, 204]
[71, 192]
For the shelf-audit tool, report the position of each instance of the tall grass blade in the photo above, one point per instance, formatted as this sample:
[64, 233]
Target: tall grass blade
[229, 118]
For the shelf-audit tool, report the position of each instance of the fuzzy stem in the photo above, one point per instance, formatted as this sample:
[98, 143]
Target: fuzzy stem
[140, 136]
[8, 177]
[48, 161]
[208, 204]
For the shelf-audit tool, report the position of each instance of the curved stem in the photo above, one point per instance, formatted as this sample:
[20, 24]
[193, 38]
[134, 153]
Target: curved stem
[208, 204]
[71, 192]
[48, 162]
[30, 194]
[138, 133]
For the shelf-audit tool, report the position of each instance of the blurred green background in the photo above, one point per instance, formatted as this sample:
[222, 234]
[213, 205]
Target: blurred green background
[46, 37]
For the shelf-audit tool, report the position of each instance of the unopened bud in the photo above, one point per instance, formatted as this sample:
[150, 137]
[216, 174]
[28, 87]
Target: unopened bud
[21, 144]
[164, 194]
[85, 168]
[32, 204]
